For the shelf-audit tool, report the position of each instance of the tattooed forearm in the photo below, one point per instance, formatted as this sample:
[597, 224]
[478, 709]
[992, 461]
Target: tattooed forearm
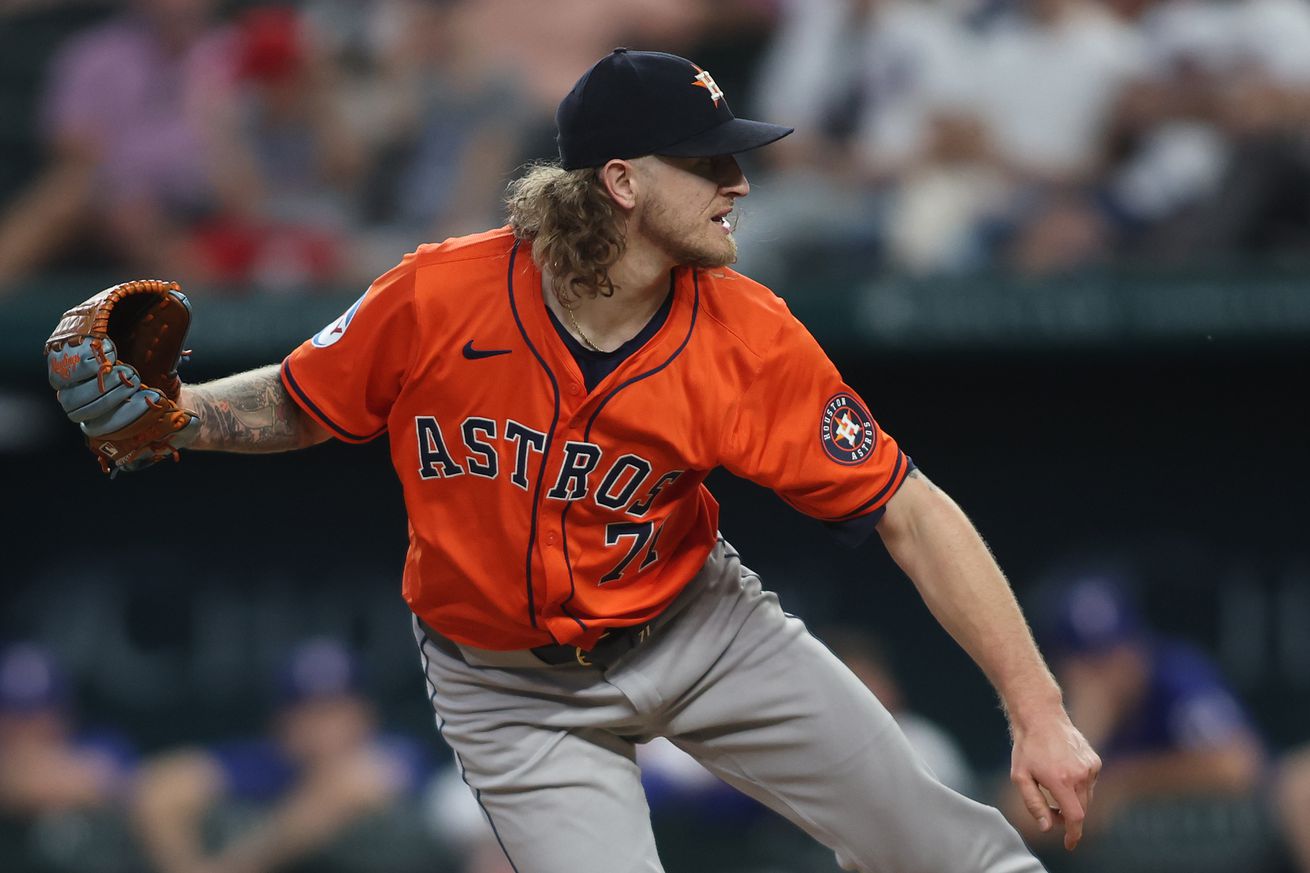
[249, 412]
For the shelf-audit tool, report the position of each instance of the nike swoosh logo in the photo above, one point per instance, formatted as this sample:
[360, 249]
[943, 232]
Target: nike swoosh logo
[473, 354]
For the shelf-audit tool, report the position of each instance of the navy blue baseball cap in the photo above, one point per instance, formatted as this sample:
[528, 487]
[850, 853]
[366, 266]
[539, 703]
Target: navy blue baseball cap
[1089, 614]
[651, 103]
[318, 668]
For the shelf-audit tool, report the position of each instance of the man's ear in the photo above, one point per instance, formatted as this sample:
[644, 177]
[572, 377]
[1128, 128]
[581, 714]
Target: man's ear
[621, 182]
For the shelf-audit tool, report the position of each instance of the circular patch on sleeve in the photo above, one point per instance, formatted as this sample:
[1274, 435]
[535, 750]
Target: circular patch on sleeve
[334, 331]
[847, 430]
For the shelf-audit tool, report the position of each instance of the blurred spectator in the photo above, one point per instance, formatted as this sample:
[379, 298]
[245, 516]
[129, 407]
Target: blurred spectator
[1050, 76]
[861, 79]
[130, 121]
[1173, 151]
[676, 783]
[942, 148]
[292, 161]
[1156, 709]
[322, 767]
[545, 44]
[703, 823]
[947, 211]
[1220, 132]
[863, 82]
[47, 765]
[860, 651]
[1293, 805]
[444, 134]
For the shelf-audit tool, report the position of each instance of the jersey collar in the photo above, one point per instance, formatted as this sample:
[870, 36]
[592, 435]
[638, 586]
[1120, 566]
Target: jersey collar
[534, 321]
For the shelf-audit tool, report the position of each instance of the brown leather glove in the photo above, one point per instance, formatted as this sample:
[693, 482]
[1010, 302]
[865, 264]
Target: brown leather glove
[113, 362]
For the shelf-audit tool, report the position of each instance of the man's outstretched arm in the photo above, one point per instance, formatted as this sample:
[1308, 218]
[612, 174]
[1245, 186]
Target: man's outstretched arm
[249, 412]
[938, 548]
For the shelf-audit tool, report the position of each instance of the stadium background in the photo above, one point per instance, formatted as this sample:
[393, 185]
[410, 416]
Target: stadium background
[1139, 413]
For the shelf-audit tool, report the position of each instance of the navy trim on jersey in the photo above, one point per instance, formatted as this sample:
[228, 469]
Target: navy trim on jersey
[695, 309]
[852, 531]
[550, 434]
[901, 458]
[586, 434]
[441, 731]
[595, 364]
[313, 407]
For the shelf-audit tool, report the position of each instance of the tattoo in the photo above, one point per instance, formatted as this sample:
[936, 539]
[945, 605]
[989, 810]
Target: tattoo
[916, 473]
[250, 412]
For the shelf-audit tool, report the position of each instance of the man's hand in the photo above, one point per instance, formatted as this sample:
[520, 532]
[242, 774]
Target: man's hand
[1055, 770]
[937, 547]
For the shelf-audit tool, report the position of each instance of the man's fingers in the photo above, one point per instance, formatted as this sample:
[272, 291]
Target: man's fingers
[1035, 803]
[1083, 791]
[1072, 810]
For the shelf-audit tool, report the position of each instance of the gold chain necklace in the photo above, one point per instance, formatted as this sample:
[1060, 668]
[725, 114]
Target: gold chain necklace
[578, 328]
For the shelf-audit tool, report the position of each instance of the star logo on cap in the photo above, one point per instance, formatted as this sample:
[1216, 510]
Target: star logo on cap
[704, 80]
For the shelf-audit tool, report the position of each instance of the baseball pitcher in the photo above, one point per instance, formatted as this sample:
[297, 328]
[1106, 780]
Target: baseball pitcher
[555, 393]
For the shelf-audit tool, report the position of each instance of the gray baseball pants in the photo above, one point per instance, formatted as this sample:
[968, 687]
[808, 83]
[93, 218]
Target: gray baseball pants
[549, 751]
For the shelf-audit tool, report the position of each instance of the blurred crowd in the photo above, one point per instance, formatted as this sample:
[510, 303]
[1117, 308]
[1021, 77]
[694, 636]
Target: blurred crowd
[289, 147]
[326, 785]
[1190, 782]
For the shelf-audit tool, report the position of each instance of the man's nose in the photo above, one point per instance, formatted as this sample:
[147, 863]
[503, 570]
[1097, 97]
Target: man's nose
[733, 181]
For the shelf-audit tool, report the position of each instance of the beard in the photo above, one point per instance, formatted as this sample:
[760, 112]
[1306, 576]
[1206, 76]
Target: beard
[686, 244]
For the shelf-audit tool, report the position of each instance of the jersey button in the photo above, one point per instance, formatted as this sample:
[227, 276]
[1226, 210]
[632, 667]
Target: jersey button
[575, 389]
[551, 539]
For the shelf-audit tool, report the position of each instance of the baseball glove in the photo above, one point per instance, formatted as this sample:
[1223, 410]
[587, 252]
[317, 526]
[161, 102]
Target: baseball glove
[113, 361]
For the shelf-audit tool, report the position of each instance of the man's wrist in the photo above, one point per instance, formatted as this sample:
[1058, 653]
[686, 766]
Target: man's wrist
[1033, 706]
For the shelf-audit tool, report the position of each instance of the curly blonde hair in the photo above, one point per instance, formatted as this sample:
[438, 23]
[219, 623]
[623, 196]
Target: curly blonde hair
[573, 226]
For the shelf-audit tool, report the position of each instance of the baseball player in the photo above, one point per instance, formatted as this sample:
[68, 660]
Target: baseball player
[555, 393]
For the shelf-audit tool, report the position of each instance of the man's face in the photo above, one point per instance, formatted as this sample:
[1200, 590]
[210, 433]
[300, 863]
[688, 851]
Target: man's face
[321, 729]
[685, 208]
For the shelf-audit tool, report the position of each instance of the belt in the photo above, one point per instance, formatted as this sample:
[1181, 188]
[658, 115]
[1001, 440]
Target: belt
[612, 645]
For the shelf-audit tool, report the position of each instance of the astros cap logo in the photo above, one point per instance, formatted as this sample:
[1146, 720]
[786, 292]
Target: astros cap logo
[705, 80]
[846, 430]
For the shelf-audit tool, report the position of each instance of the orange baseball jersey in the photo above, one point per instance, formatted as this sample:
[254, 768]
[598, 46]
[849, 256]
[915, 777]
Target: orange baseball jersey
[540, 512]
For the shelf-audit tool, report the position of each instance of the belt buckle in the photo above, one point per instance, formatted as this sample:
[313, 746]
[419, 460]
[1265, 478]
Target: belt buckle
[581, 653]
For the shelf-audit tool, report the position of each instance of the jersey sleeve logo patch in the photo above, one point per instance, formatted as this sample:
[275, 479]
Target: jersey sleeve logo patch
[847, 431]
[334, 331]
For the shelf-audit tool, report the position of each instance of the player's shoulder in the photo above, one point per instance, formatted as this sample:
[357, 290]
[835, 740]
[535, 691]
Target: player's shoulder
[494, 245]
[743, 308]
[447, 269]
